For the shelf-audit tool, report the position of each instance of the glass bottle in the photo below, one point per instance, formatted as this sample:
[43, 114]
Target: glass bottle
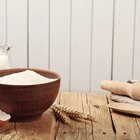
[4, 59]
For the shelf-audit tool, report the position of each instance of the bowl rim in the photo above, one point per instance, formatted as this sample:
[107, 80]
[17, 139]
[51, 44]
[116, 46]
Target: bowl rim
[33, 69]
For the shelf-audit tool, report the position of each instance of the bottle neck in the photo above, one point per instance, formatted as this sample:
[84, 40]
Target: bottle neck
[4, 60]
[4, 48]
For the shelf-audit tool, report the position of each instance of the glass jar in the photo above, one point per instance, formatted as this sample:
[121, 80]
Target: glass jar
[4, 59]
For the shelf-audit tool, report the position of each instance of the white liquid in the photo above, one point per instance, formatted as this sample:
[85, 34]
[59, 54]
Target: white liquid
[4, 61]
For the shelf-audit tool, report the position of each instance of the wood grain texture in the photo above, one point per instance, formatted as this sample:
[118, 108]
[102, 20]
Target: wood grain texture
[38, 130]
[76, 130]
[102, 129]
[2, 21]
[74, 38]
[39, 33]
[123, 39]
[101, 42]
[80, 45]
[126, 126]
[86, 130]
[136, 74]
[8, 131]
[60, 39]
[41, 129]
[17, 32]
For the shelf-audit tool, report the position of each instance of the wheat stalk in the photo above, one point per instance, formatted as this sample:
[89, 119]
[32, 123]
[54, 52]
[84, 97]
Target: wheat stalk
[60, 115]
[74, 114]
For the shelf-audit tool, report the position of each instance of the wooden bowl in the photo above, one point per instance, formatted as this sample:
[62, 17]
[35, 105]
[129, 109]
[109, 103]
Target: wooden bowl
[28, 102]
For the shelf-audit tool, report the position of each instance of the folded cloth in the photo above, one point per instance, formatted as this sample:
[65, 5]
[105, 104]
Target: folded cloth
[132, 81]
[124, 104]
[124, 99]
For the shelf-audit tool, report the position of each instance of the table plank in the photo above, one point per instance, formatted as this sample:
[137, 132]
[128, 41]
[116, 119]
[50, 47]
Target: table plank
[7, 131]
[41, 129]
[127, 126]
[86, 130]
[103, 129]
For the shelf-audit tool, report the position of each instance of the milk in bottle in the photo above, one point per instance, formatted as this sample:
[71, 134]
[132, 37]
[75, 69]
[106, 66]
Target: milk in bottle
[4, 59]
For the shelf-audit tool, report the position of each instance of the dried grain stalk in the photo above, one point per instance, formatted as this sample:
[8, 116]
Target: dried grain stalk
[74, 114]
[60, 115]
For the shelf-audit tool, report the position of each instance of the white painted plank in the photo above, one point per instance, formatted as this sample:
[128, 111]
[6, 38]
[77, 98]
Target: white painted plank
[38, 33]
[80, 45]
[60, 40]
[2, 21]
[101, 43]
[137, 43]
[123, 39]
[17, 32]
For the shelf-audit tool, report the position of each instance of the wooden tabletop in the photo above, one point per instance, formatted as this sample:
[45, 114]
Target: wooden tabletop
[109, 125]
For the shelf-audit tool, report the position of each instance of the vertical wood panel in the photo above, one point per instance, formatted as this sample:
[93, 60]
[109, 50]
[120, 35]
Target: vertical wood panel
[137, 43]
[123, 39]
[2, 21]
[38, 33]
[71, 38]
[17, 32]
[80, 45]
[101, 42]
[60, 40]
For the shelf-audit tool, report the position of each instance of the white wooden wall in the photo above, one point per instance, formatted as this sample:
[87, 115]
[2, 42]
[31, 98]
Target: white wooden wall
[85, 41]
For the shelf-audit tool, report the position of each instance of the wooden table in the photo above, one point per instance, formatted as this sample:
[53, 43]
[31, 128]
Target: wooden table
[109, 125]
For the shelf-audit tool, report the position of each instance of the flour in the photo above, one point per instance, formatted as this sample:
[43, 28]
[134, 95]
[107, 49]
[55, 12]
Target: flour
[26, 77]
[4, 116]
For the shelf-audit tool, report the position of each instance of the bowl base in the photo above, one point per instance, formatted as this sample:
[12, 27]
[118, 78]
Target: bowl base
[25, 118]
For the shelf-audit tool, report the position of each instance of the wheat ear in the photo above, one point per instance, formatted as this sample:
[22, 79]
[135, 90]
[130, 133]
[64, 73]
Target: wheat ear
[74, 114]
[60, 115]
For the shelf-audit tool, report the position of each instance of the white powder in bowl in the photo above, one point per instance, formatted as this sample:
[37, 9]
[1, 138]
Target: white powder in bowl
[26, 77]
